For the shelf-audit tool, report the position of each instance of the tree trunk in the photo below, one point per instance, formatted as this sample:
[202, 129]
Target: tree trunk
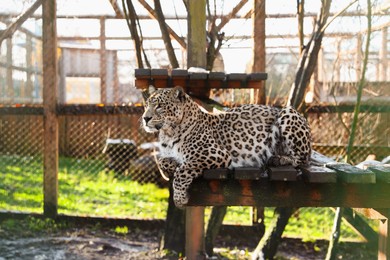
[174, 235]
[266, 249]
[308, 59]
[165, 35]
[213, 227]
[131, 15]
[332, 249]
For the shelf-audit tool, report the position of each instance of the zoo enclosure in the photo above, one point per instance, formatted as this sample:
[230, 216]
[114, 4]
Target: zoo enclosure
[100, 75]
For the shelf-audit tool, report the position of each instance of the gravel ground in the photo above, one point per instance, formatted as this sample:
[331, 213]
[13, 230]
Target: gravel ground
[103, 243]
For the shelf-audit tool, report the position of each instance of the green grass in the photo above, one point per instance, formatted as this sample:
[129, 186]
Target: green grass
[85, 188]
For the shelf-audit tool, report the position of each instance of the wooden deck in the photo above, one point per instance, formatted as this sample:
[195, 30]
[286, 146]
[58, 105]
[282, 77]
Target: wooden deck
[328, 184]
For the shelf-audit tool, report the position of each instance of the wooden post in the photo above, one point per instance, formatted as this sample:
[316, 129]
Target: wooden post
[103, 62]
[383, 56]
[9, 90]
[196, 51]
[258, 65]
[28, 90]
[50, 154]
[196, 57]
[384, 240]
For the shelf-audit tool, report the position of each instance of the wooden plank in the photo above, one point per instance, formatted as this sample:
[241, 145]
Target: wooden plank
[217, 174]
[248, 173]
[351, 174]
[142, 73]
[142, 78]
[160, 78]
[50, 153]
[216, 79]
[319, 158]
[236, 80]
[283, 173]
[382, 172]
[317, 174]
[215, 75]
[258, 76]
[198, 76]
[159, 73]
[179, 77]
[264, 193]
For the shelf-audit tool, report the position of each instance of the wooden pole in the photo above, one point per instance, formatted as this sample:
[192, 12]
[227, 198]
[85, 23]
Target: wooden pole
[258, 65]
[196, 57]
[28, 90]
[10, 83]
[50, 154]
[383, 56]
[103, 62]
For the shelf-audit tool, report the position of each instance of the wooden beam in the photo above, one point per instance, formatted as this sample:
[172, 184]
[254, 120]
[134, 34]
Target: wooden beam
[225, 19]
[50, 153]
[172, 33]
[265, 193]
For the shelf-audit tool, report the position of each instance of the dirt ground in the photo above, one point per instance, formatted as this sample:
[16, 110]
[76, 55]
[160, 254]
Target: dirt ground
[104, 243]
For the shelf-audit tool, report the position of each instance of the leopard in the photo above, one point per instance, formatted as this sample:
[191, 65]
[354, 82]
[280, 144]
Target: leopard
[192, 139]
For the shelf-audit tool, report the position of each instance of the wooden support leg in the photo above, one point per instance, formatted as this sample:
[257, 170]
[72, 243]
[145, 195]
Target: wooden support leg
[384, 240]
[195, 233]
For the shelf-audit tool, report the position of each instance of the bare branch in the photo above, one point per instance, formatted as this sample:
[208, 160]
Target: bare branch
[154, 15]
[165, 34]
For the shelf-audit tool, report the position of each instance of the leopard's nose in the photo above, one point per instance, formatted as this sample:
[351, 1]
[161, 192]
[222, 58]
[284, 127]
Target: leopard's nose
[147, 119]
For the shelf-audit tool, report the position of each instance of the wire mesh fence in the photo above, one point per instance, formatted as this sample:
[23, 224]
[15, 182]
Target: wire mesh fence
[106, 162]
[107, 168]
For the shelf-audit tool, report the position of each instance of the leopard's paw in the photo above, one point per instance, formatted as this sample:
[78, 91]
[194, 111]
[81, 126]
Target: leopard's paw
[180, 199]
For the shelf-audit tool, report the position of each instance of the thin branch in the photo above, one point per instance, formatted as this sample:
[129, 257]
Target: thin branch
[301, 16]
[131, 23]
[337, 15]
[165, 34]
[153, 14]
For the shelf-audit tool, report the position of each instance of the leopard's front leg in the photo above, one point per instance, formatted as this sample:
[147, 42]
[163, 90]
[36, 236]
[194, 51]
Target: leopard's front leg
[167, 166]
[184, 176]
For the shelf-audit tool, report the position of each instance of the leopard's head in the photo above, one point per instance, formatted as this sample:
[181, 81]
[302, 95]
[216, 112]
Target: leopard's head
[164, 108]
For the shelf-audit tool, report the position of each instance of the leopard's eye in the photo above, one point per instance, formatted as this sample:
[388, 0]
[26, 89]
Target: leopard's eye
[158, 107]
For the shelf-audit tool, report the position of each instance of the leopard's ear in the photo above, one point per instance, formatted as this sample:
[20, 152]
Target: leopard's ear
[147, 92]
[179, 93]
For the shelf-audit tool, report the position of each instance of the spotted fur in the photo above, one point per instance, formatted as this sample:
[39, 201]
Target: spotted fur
[192, 140]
